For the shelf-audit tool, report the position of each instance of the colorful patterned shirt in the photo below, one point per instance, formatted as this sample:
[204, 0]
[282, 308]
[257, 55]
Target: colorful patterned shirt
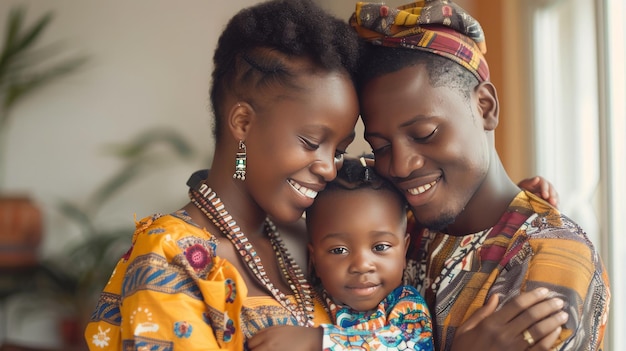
[533, 245]
[400, 322]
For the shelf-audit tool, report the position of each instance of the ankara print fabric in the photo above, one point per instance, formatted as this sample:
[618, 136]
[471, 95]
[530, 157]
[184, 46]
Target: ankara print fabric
[533, 245]
[437, 26]
[171, 292]
[400, 322]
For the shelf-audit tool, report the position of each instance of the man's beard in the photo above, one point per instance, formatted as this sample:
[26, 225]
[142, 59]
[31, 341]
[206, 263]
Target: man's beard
[438, 224]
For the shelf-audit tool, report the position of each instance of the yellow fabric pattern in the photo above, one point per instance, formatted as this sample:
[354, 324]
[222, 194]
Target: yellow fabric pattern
[171, 292]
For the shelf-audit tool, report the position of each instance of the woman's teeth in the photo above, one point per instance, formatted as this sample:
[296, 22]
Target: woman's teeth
[303, 190]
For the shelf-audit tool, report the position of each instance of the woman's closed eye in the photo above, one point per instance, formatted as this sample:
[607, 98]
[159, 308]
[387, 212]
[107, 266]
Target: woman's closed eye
[309, 144]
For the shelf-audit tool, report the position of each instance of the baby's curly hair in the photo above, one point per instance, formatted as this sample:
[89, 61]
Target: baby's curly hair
[259, 45]
[356, 174]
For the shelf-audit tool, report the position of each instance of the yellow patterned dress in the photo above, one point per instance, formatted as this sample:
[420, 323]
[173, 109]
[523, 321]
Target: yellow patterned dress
[171, 292]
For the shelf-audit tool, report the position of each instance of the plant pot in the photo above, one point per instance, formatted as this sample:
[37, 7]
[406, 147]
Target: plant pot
[21, 228]
[71, 331]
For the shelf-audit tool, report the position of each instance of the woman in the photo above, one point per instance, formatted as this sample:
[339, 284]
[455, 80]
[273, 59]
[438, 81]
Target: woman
[285, 109]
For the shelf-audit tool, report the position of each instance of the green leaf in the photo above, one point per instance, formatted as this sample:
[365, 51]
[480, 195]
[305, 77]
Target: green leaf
[117, 182]
[137, 155]
[33, 33]
[14, 24]
[76, 214]
[18, 59]
[20, 39]
[145, 142]
[35, 81]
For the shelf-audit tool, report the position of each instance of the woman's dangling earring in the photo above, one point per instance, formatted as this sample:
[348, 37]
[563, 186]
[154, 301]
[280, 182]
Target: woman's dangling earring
[240, 162]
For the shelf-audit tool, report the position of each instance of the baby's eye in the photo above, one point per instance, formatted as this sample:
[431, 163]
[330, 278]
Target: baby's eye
[338, 251]
[381, 247]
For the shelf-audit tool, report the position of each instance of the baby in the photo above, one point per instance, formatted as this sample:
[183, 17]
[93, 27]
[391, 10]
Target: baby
[358, 243]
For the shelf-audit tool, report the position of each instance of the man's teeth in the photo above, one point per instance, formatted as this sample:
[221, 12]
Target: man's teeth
[303, 190]
[421, 189]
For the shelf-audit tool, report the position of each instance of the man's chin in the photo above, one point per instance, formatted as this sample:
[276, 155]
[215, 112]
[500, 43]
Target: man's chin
[439, 224]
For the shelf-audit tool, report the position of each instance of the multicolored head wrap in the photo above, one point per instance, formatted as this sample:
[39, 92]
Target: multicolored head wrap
[437, 26]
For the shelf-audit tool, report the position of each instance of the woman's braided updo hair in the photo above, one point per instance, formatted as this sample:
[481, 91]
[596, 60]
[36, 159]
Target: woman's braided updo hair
[258, 47]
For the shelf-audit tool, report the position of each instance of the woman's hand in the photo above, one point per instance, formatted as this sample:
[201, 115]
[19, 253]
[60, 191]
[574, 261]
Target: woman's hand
[286, 337]
[531, 321]
[541, 187]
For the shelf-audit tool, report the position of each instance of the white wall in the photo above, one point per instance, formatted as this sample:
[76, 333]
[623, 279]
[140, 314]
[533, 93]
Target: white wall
[150, 64]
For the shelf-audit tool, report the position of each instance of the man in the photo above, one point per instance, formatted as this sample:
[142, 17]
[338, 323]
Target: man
[430, 113]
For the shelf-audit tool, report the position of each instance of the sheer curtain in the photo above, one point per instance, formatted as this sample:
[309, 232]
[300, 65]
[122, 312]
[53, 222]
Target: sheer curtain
[579, 109]
[612, 39]
[565, 94]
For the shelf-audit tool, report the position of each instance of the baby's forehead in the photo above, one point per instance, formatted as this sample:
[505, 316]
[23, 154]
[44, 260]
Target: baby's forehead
[343, 206]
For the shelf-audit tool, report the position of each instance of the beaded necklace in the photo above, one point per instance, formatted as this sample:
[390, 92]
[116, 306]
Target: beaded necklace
[211, 205]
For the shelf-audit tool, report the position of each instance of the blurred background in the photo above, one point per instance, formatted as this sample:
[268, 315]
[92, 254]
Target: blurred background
[105, 114]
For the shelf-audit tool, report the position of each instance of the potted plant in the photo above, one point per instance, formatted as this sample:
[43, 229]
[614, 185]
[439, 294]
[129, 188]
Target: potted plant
[24, 69]
[80, 272]
[72, 279]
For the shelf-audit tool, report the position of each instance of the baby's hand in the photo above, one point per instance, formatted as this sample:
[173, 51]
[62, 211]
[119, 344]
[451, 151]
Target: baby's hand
[286, 337]
[541, 187]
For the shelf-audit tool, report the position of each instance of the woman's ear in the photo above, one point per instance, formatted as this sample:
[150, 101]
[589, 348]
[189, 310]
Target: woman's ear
[240, 119]
[488, 105]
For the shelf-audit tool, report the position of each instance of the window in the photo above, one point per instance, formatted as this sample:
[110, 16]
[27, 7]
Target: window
[579, 94]
[613, 135]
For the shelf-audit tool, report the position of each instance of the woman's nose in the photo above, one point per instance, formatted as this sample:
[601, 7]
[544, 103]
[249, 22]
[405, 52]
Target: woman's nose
[325, 167]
